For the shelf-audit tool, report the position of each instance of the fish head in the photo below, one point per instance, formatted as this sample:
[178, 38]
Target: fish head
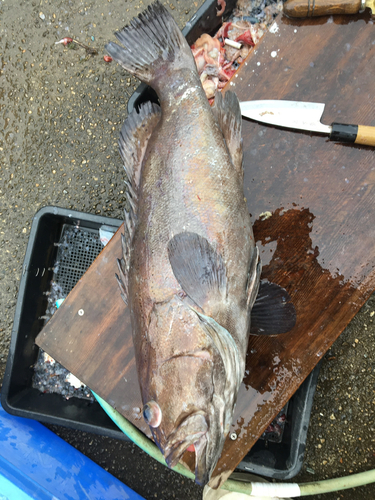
[193, 376]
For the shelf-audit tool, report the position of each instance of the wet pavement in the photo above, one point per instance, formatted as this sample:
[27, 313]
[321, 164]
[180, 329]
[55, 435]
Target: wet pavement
[60, 115]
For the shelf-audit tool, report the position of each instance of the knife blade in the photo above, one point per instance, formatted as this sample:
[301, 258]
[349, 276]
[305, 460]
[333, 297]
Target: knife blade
[315, 8]
[305, 116]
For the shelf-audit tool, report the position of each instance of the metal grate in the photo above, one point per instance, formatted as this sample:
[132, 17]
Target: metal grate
[78, 248]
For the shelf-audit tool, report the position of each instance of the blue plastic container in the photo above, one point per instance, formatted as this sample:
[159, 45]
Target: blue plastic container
[37, 464]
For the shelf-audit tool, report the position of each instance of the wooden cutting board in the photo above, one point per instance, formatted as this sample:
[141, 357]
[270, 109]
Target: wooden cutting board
[316, 234]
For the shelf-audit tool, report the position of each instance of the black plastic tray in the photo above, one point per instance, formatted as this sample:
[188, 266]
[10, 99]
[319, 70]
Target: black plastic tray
[18, 396]
[284, 460]
[280, 460]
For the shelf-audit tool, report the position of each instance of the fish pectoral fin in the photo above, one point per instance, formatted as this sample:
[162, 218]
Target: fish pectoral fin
[198, 268]
[273, 311]
[134, 136]
[228, 113]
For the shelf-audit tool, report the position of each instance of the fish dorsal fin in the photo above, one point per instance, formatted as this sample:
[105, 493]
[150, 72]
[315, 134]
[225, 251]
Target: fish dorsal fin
[134, 136]
[228, 113]
[198, 268]
[124, 263]
[273, 311]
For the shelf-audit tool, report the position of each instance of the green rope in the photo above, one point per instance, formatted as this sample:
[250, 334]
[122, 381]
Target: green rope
[138, 437]
[306, 489]
[314, 488]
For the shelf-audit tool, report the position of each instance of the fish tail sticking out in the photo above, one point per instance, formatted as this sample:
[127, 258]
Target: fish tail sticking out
[152, 43]
[134, 136]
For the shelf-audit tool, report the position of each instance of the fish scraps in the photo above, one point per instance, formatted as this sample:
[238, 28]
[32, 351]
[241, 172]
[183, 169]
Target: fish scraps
[218, 57]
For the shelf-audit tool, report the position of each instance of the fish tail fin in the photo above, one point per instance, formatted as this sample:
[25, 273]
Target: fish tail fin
[152, 43]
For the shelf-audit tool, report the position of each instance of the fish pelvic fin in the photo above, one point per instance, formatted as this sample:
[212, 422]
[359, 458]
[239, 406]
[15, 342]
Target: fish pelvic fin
[134, 136]
[228, 113]
[152, 42]
[198, 268]
[273, 311]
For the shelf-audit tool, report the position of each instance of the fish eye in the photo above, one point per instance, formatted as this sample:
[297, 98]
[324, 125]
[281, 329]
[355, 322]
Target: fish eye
[152, 414]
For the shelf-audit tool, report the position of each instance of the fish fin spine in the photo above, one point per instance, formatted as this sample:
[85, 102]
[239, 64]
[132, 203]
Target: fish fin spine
[123, 264]
[151, 42]
[122, 280]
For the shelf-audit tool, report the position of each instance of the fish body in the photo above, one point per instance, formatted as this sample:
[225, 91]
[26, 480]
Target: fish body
[190, 270]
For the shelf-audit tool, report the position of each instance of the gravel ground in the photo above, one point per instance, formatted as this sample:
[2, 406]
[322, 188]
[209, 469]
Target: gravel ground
[60, 116]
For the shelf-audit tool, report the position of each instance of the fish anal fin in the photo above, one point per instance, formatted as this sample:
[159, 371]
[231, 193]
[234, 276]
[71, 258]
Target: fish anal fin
[134, 136]
[198, 268]
[273, 312]
[228, 113]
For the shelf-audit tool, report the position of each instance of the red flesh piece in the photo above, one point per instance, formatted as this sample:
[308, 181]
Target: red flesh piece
[246, 38]
[229, 73]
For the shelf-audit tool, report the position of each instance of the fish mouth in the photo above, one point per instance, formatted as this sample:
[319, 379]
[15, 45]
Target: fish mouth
[192, 431]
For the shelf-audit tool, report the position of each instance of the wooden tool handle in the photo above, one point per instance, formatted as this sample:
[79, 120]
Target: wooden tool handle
[366, 135]
[314, 8]
[359, 134]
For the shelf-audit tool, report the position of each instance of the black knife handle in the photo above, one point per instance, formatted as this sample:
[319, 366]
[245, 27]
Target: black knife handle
[341, 132]
[359, 134]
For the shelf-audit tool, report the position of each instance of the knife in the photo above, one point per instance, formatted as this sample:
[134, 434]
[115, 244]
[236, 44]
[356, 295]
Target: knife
[314, 8]
[305, 116]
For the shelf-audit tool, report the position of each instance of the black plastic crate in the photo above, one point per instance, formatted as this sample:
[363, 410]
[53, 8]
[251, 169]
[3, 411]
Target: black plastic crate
[280, 457]
[283, 458]
[18, 395]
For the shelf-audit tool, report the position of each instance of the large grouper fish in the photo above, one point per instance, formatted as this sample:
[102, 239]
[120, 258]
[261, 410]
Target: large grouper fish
[190, 271]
